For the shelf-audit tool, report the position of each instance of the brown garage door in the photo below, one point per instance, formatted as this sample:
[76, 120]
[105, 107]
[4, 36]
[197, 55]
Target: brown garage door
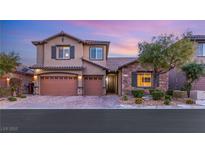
[93, 85]
[58, 85]
[200, 84]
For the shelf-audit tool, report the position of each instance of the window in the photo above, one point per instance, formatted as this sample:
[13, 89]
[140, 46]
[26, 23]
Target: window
[96, 53]
[144, 79]
[201, 49]
[63, 52]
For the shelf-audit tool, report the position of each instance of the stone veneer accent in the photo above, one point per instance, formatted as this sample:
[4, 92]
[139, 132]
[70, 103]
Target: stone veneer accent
[127, 78]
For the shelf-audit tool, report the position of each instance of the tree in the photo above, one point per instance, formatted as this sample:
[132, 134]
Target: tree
[165, 52]
[15, 85]
[8, 62]
[193, 72]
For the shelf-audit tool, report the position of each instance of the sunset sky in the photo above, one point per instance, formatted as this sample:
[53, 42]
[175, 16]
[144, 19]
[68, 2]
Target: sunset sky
[123, 35]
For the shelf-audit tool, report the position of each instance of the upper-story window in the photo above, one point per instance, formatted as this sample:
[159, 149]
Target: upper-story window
[96, 53]
[201, 49]
[63, 52]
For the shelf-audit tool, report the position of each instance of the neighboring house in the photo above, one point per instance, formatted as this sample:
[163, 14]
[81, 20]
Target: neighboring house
[22, 72]
[177, 78]
[67, 65]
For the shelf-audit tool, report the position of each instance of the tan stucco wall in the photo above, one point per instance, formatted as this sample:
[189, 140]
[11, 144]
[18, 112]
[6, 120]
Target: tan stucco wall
[198, 59]
[81, 51]
[86, 54]
[48, 61]
[91, 69]
[39, 54]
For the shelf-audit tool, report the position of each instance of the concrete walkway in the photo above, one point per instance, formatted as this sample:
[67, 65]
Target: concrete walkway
[82, 102]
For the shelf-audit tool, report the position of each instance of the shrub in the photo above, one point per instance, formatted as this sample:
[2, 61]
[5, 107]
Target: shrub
[167, 97]
[167, 102]
[125, 98]
[151, 91]
[12, 99]
[138, 93]
[23, 96]
[157, 94]
[169, 92]
[138, 100]
[190, 101]
[5, 92]
[179, 94]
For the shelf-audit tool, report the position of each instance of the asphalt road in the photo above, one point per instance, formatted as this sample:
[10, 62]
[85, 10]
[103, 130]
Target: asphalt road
[92, 121]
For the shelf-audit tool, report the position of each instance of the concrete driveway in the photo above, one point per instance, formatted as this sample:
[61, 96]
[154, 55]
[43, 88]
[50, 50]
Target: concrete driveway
[81, 102]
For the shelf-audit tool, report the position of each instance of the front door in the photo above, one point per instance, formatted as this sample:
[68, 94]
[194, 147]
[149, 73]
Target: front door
[111, 83]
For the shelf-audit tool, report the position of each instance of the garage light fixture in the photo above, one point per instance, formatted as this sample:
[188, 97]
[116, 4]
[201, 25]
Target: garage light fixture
[79, 77]
[7, 79]
[35, 77]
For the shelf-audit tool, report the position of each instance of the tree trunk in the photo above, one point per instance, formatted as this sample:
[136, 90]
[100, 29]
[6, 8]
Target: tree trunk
[155, 80]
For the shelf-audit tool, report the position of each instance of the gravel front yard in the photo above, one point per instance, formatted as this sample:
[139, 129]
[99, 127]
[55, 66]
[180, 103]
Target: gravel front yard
[85, 102]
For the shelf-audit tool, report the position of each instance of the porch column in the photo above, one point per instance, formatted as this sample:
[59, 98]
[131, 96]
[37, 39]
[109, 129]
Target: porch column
[104, 84]
[80, 85]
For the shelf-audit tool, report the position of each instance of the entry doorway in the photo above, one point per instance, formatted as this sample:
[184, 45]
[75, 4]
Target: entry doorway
[111, 83]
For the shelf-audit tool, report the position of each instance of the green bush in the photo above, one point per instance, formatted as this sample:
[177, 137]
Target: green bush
[157, 94]
[179, 94]
[167, 97]
[167, 102]
[4, 92]
[125, 98]
[21, 96]
[12, 99]
[190, 101]
[151, 91]
[138, 100]
[138, 93]
[169, 92]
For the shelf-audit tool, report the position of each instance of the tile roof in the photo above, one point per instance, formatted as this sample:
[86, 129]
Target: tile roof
[96, 42]
[57, 67]
[198, 36]
[95, 64]
[24, 70]
[62, 33]
[113, 63]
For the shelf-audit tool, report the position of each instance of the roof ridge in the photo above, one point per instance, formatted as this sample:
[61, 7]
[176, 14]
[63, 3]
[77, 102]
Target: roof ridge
[62, 33]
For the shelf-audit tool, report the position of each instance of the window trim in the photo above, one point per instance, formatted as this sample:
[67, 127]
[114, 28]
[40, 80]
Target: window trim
[203, 50]
[141, 72]
[94, 59]
[57, 52]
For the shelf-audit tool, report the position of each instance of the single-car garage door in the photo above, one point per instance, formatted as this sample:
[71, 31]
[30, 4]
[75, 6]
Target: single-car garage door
[93, 85]
[58, 85]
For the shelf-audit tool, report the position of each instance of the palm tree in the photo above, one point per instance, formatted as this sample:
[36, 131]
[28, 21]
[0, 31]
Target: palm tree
[8, 62]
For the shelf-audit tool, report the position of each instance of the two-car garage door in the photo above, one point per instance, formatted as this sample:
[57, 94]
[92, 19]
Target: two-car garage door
[58, 85]
[67, 85]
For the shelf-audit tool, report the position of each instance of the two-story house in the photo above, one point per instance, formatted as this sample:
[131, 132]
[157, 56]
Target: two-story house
[177, 78]
[67, 65]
